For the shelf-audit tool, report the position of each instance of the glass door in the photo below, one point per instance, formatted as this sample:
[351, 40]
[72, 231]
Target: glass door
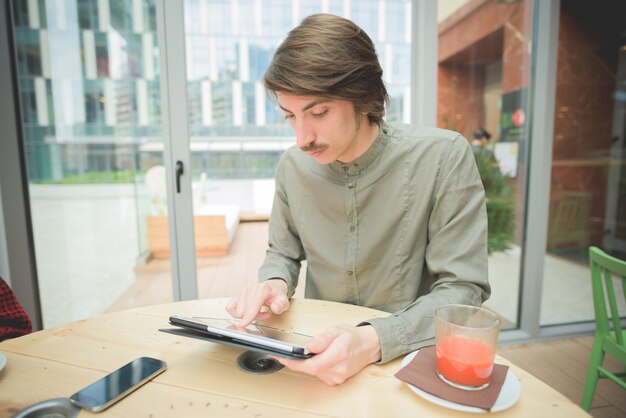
[151, 145]
[587, 198]
[237, 135]
[92, 122]
[483, 82]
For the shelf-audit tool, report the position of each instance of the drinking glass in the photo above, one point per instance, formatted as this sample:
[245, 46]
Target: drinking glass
[465, 345]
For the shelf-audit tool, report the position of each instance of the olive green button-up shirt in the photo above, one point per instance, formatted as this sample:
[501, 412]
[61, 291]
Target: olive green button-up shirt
[402, 228]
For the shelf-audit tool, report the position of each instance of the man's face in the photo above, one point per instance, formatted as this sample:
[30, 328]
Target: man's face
[327, 129]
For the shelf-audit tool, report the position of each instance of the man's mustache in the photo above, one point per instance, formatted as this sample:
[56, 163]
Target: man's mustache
[314, 147]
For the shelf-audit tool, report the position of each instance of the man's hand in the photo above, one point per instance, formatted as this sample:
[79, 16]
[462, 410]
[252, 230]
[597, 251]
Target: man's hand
[259, 301]
[342, 351]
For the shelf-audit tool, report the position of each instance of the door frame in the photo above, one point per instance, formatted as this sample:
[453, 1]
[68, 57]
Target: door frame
[16, 237]
[173, 83]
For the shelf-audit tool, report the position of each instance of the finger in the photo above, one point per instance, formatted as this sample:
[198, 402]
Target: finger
[240, 306]
[247, 319]
[248, 305]
[264, 298]
[280, 304]
[231, 306]
[263, 316]
[320, 366]
[322, 341]
[296, 365]
[253, 311]
[254, 300]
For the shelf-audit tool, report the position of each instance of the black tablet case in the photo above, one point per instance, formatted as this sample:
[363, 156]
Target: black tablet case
[185, 331]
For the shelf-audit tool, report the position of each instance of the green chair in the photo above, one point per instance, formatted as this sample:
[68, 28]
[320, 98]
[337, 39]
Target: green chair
[610, 336]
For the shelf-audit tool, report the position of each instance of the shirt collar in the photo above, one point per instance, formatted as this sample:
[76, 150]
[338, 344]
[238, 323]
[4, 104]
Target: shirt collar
[359, 164]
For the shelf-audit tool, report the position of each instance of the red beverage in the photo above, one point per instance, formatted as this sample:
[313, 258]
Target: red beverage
[464, 361]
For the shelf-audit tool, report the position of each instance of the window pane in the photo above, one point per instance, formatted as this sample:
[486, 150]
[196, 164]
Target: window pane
[483, 75]
[588, 183]
[90, 106]
[237, 133]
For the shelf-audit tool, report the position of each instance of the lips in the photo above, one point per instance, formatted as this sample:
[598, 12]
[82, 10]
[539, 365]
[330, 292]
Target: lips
[316, 152]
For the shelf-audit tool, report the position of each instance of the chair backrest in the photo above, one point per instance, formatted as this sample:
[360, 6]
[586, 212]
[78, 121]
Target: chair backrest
[604, 269]
[14, 321]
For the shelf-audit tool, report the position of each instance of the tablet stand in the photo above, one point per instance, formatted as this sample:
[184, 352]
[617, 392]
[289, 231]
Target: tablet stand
[257, 363]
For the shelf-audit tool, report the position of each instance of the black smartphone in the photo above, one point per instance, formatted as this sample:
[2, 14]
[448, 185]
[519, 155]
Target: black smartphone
[111, 388]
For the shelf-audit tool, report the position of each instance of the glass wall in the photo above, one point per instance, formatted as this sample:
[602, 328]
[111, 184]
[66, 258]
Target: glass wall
[91, 119]
[89, 93]
[588, 178]
[483, 73]
[230, 114]
[237, 134]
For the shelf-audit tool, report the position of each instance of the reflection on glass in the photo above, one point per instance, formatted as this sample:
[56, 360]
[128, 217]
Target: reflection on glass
[237, 133]
[91, 118]
[482, 93]
[230, 113]
[588, 179]
[90, 106]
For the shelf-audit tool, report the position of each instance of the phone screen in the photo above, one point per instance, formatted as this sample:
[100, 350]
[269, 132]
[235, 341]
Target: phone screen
[114, 386]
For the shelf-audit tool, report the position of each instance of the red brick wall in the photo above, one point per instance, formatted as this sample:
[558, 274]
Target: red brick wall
[584, 111]
[484, 31]
[479, 33]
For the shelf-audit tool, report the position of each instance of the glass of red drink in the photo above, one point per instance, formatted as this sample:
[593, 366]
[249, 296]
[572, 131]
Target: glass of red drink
[465, 345]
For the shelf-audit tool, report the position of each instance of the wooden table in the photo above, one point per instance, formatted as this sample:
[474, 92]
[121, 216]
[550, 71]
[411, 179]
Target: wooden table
[203, 378]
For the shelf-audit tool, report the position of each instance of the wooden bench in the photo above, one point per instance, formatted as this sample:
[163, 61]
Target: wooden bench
[214, 230]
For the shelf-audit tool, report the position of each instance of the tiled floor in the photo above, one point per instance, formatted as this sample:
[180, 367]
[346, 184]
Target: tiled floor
[562, 364]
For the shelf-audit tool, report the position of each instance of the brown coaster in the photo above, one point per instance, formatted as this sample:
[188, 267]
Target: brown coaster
[421, 373]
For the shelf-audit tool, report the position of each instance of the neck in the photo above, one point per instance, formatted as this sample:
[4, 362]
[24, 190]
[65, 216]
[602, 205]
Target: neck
[365, 137]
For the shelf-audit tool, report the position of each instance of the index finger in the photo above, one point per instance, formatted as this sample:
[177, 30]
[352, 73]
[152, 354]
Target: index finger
[255, 299]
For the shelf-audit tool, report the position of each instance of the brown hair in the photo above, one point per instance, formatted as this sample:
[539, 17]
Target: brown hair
[329, 56]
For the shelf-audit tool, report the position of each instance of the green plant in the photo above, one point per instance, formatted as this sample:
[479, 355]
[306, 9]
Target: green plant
[96, 177]
[500, 204]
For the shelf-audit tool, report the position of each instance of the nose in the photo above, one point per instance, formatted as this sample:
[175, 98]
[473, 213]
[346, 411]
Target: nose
[304, 135]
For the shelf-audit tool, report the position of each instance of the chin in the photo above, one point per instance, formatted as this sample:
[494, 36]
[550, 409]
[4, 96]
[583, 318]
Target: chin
[325, 160]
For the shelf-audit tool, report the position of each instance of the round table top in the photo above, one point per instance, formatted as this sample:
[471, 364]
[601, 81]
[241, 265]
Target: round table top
[203, 378]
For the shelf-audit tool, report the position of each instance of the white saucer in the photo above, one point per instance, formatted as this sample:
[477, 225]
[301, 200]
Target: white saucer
[509, 394]
[3, 361]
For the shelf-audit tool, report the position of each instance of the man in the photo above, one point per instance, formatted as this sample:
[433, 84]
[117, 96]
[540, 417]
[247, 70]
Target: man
[479, 143]
[389, 217]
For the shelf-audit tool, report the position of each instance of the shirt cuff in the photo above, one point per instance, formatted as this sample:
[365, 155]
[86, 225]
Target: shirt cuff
[393, 338]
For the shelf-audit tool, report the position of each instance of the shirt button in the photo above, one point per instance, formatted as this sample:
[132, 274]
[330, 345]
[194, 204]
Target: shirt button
[352, 228]
[350, 273]
[350, 186]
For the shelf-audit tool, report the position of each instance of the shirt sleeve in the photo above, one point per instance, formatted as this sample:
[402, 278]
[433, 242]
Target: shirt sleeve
[455, 268]
[284, 255]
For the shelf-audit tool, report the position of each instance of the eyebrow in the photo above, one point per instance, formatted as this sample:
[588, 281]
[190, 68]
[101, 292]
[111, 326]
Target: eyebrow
[308, 105]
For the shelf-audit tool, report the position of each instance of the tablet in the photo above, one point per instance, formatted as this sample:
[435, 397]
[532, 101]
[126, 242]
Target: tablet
[256, 336]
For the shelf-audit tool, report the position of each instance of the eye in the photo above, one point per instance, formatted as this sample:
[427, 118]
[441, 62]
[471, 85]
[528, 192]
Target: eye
[319, 114]
[288, 116]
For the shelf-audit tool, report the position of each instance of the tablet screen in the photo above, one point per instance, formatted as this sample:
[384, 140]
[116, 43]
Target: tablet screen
[256, 332]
